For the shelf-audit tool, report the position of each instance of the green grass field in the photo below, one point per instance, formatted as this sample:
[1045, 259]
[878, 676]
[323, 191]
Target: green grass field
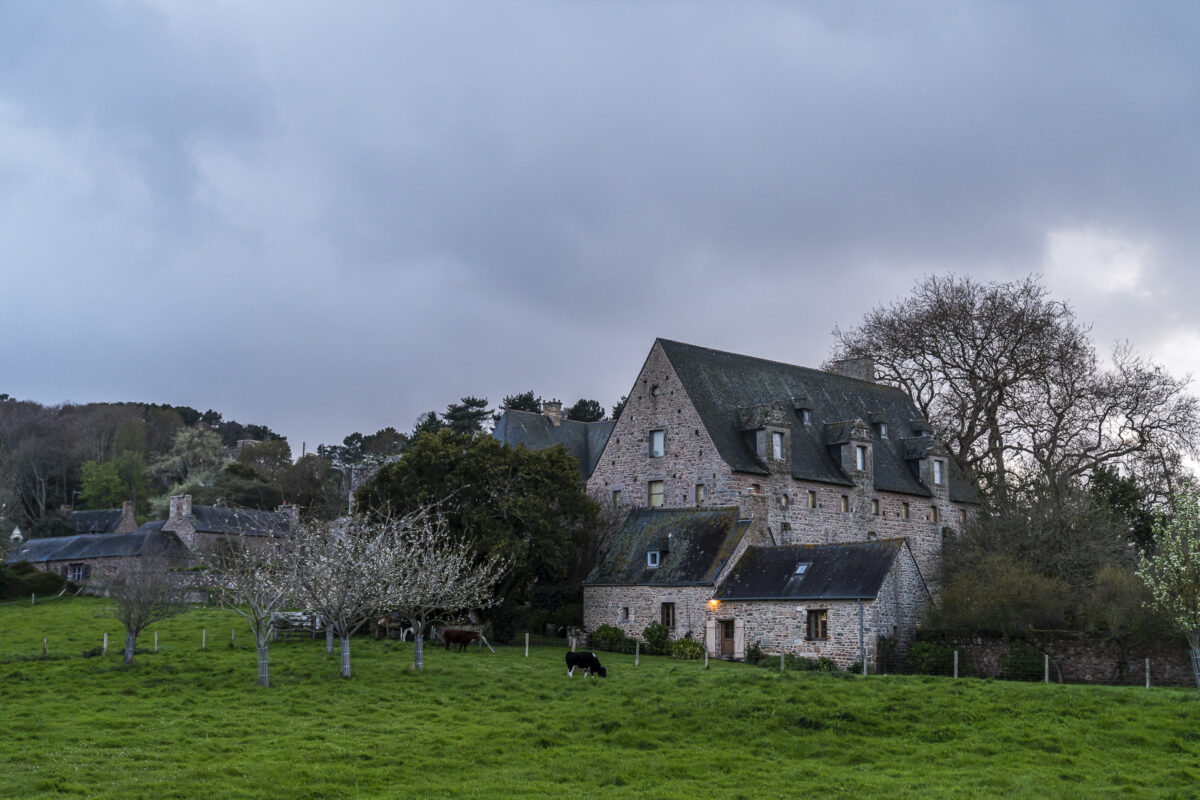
[192, 724]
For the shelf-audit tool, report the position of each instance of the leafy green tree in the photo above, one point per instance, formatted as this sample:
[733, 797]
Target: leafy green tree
[620, 406]
[1172, 570]
[586, 411]
[467, 416]
[236, 484]
[315, 486]
[269, 459]
[429, 422]
[529, 507]
[1127, 500]
[525, 401]
[194, 451]
[102, 486]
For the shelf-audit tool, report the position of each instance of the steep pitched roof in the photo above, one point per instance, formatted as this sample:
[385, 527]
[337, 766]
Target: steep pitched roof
[103, 520]
[851, 571]
[694, 545]
[584, 440]
[79, 547]
[245, 521]
[722, 386]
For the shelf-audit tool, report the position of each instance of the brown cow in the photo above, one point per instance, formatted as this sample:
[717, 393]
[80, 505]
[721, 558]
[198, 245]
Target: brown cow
[460, 638]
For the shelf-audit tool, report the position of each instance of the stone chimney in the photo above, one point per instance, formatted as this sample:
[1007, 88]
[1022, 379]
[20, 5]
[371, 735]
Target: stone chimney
[181, 506]
[861, 368]
[128, 523]
[553, 410]
[290, 511]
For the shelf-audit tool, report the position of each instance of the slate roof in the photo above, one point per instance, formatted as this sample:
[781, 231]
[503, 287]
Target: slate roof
[695, 545]
[245, 521]
[584, 440]
[79, 547]
[103, 520]
[851, 571]
[722, 385]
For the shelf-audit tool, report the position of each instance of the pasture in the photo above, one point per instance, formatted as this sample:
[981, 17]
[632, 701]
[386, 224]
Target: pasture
[186, 723]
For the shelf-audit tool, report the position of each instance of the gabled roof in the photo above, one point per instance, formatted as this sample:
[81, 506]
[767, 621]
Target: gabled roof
[244, 521]
[851, 571]
[79, 547]
[584, 440]
[103, 520]
[721, 385]
[694, 545]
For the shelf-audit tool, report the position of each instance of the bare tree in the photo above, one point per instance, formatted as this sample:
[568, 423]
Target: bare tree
[1011, 381]
[345, 572]
[437, 574]
[253, 576]
[144, 591]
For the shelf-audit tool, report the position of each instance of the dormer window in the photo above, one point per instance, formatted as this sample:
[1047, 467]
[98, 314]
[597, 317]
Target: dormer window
[652, 559]
[939, 472]
[860, 457]
[658, 443]
[802, 567]
[806, 416]
[777, 445]
[883, 430]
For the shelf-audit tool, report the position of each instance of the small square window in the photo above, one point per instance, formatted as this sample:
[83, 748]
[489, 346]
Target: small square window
[818, 624]
[625, 612]
[845, 503]
[699, 494]
[658, 444]
[652, 558]
[812, 499]
[755, 488]
[75, 573]
[875, 507]
[777, 445]
[656, 494]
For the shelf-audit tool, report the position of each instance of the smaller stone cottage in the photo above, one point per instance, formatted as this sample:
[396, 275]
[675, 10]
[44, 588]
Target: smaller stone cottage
[105, 520]
[818, 601]
[88, 557]
[662, 565]
[200, 527]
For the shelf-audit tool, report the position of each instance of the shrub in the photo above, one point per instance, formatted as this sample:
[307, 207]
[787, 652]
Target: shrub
[1022, 662]
[608, 637]
[656, 636]
[888, 659]
[43, 583]
[687, 649]
[927, 658]
[754, 653]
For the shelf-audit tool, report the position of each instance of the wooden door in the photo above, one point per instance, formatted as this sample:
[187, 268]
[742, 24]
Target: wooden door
[726, 637]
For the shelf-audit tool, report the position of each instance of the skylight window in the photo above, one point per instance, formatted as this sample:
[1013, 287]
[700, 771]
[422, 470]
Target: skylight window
[802, 567]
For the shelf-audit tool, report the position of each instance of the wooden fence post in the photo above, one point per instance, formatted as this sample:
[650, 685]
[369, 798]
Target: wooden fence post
[156, 641]
[527, 644]
[104, 648]
[233, 637]
[706, 658]
[1047, 677]
[637, 652]
[1147, 673]
[204, 638]
[33, 599]
[43, 647]
[781, 661]
[955, 665]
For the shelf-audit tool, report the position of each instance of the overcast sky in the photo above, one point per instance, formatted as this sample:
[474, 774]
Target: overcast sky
[331, 217]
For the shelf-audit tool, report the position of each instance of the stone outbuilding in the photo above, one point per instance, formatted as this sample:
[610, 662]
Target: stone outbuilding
[87, 557]
[206, 526]
[105, 520]
[662, 565]
[818, 601]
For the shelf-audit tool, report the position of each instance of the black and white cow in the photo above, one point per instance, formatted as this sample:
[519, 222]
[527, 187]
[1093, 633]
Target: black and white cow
[587, 662]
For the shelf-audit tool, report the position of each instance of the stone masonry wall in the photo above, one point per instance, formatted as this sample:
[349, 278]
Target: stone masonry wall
[603, 605]
[781, 625]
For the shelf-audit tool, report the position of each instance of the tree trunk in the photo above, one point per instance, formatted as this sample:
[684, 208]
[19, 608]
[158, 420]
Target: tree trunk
[329, 640]
[130, 643]
[345, 640]
[418, 649]
[1196, 666]
[264, 670]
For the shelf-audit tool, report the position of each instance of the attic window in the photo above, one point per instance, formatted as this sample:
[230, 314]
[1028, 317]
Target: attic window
[939, 472]
[806, 416]
[860, 457]
[802, 567]
[658, 443]
[652, 559]
[883, 430]
[777, 445]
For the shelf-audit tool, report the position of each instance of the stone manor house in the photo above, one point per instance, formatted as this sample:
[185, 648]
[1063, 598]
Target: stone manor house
[765, 503]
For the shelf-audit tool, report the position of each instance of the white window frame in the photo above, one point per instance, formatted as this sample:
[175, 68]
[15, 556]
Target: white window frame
[652, 559]
[777, 445]
[939, 472]
[658, 443]
[883, 432]
[860, 457]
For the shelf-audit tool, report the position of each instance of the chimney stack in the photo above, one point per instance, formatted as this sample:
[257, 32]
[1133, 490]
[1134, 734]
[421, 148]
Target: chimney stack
[553, 410]
[862, 368]
[180, 506]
